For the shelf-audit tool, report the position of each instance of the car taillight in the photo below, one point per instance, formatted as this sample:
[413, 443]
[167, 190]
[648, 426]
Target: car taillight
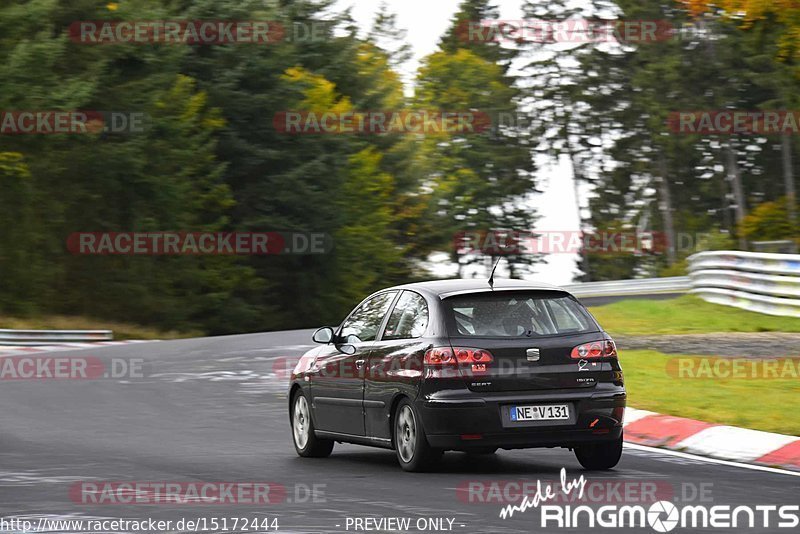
[604, 348]
[452, 356]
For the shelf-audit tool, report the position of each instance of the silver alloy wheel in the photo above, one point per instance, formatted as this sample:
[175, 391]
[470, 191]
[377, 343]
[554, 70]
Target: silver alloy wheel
[405, 433]
[300, 422]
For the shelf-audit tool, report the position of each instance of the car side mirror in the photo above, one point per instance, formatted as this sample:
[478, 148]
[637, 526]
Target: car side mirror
[323, 335]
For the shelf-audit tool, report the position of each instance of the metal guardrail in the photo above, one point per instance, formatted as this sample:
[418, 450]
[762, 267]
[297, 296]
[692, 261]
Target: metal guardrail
[49, 337]
[765, 283]
[643, 286]
[759, 282]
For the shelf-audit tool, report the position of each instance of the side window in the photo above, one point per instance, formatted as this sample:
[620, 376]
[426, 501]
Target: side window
[363, 324]
[409, 317]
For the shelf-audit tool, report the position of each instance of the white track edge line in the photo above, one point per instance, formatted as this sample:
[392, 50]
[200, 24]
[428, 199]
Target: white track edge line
[729, 463]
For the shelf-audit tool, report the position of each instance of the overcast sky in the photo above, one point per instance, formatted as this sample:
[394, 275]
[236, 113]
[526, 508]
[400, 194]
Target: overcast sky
[425, 21]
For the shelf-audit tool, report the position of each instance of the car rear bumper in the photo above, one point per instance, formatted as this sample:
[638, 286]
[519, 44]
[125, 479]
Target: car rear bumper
[523, 440]
[470, 421]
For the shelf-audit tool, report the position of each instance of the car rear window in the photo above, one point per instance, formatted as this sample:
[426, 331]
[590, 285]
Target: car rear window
[525, 314]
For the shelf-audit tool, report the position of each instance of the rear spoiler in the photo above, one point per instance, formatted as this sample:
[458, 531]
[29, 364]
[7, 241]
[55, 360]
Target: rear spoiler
[555, 290]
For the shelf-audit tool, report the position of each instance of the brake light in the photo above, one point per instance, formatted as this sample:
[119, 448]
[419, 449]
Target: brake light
[439, 356]
[604, 348]
[451, 356]
[473, 355]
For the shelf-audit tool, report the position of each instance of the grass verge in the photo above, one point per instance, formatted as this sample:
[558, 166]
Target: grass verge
[685, 315]
[121, 330]
[768, 404]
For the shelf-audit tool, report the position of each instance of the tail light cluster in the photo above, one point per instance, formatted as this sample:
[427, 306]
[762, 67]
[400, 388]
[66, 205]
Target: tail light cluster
[605, 348]
[440, 356]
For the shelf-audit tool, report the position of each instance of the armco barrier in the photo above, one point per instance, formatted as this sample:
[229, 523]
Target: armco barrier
[643, 286]
[764, 283]
[48, 337]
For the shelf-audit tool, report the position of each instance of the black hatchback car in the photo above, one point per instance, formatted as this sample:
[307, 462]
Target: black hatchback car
[462, 365]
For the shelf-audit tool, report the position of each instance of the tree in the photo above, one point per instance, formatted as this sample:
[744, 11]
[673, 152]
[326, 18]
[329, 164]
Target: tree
[20, 237]
[476, 181]
[607, 106]
[769, 221]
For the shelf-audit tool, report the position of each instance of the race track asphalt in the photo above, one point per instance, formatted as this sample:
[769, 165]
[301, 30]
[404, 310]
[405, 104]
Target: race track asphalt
[215, 409]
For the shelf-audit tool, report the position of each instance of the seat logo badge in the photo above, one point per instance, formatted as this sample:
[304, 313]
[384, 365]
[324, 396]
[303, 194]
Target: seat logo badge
[532, 355]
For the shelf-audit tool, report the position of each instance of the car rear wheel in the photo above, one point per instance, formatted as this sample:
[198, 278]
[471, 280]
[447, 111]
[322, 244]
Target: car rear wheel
[601, 455]
[306, 443]
[412, 448]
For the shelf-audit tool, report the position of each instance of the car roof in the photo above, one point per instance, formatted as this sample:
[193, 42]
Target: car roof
[446, 288]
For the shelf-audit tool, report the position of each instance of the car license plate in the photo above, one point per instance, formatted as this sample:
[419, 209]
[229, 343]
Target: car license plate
[550, 412]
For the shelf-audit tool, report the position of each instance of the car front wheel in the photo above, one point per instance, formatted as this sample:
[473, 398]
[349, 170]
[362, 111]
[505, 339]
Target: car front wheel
[413, 451]
[601, 455]
[306, 443]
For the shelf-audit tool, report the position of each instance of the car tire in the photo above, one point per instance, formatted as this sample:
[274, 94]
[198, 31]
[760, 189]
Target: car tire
[600, 455]
[410, 443]
[306, 443]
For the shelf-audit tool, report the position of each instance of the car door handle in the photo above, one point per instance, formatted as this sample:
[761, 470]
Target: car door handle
[360, 363]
